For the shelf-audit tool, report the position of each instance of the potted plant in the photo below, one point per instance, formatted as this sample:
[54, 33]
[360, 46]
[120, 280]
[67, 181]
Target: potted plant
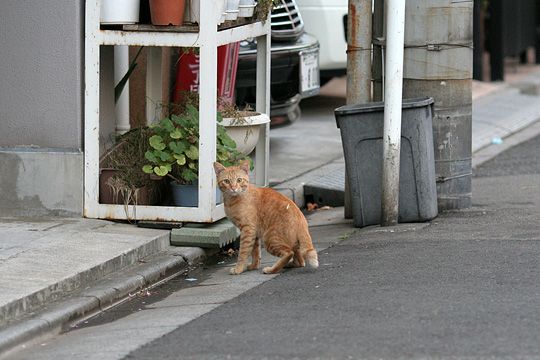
[119, 12]
[243, 126]
[174, 153]
[121, 179]
[246, 8]
[263, 9]
[231, 11]
[167, 12]
[193, 11]
[192, 14]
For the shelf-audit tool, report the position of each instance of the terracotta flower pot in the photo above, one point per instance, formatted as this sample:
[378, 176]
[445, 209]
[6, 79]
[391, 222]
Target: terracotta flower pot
[167, 12]
[146, 195]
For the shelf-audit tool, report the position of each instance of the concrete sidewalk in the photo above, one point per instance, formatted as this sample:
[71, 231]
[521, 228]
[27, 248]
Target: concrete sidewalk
[504, 114]
[57, 270]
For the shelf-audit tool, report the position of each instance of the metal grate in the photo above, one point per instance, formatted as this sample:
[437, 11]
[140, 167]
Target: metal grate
[287, 24]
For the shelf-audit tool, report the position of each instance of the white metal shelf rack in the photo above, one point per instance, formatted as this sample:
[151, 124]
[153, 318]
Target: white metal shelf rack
[207, 39]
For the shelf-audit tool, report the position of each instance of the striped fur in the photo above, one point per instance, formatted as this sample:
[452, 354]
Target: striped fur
[263, 214]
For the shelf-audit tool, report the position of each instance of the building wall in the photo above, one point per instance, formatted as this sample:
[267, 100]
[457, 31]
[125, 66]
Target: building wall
[40, 182]
[41, 106]
[41, 47]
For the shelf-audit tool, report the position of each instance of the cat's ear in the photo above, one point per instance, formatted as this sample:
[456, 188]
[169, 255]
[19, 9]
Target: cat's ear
[244, 165]
[218, 168]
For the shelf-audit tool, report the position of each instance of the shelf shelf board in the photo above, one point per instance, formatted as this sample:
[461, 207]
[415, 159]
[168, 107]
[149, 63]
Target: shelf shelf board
[239, 33]
[186, 27]
[154, 213]
[178, 36]
[139, 38]
[191, 28]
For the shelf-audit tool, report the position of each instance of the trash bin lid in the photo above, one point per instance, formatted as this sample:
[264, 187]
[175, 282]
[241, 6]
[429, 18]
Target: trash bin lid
[379, 106]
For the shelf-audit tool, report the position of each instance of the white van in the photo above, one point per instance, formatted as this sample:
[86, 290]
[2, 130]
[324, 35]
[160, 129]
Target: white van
[327, 21]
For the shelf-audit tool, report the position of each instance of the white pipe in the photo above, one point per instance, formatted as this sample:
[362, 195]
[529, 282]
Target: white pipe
[393, 91]
[121, 66]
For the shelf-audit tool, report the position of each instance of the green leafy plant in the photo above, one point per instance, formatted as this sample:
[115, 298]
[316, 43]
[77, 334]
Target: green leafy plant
[174, 148]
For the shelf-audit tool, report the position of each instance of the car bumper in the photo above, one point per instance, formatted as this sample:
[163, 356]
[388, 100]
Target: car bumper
[285, 74]
[328, 24]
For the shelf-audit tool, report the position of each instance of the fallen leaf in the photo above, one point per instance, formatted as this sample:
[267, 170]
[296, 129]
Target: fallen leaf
[311, 206]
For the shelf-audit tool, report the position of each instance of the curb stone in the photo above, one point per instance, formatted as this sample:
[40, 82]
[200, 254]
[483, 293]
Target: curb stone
[59, 315]
[51, 293]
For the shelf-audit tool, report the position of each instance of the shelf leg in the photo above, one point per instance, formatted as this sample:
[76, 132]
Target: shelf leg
[207, 112]
[91, 110]
[262, 152]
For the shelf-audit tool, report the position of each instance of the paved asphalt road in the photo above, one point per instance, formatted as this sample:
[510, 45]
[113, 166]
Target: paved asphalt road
[468, 285]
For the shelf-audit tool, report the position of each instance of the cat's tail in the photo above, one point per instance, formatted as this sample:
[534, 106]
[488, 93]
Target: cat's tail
[311, 258]
[308, 252]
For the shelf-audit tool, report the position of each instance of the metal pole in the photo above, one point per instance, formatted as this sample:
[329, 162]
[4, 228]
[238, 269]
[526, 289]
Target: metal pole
[537, 37]
[393, 90]
[358, 64]
[359, 52]
[478, 36]
[496, 35]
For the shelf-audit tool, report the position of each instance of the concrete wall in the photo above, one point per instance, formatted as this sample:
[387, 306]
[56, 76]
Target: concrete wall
[40, 182]
[41, 47]
[41, 112]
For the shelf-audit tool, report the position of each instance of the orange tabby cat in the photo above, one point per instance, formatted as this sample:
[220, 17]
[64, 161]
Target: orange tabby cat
[264, 214]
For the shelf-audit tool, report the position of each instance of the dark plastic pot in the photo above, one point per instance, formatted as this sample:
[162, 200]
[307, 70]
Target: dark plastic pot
[188, 195]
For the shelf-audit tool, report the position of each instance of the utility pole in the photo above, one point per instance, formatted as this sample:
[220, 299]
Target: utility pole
[358, 64]
[438, 63]
[393, 89]
[438, 59]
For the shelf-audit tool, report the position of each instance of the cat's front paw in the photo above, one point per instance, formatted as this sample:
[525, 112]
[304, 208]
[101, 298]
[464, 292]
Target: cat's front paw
[268, 270]
[236, 270]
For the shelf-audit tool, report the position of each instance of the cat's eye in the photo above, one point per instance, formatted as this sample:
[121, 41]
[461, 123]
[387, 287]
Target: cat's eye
[226, 181]
[239, 180]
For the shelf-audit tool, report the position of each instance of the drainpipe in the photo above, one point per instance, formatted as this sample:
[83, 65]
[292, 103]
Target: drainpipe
[358, 64]
[393, 90]
[121, 66]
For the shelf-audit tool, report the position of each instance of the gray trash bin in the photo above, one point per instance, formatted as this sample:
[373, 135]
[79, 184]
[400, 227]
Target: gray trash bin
[361, 129]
